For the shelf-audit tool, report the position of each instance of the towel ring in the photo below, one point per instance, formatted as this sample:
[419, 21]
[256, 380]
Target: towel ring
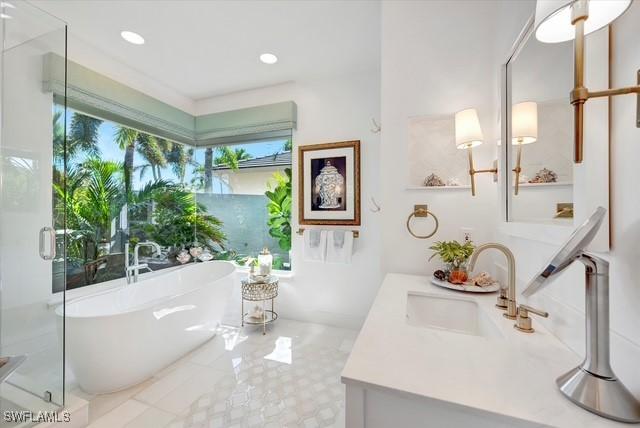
[421, 211]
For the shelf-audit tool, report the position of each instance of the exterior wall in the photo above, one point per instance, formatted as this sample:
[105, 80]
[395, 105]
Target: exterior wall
[248, 181]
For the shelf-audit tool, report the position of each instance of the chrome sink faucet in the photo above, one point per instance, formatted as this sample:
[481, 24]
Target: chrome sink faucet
[507, 297]
[137, 266]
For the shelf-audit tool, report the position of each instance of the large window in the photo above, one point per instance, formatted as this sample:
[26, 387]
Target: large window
[248, 187]
[125, 186]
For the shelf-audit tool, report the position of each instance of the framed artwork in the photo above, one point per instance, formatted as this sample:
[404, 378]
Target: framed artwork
[329, 183]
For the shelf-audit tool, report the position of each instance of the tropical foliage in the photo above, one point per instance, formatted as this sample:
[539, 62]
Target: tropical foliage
[179, 220]
[218, 156]
[91, 197]
[452, 252]
[279, 208]
[91, 194]
[114, 184]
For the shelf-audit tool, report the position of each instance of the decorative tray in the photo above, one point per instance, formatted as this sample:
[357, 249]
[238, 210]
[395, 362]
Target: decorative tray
[468, 287]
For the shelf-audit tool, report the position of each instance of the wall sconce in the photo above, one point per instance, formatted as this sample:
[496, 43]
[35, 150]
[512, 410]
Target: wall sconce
[469, 135]
[553, 23]
[524, 130]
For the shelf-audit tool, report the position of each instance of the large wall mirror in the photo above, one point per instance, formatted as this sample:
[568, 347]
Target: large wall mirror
[544, 184]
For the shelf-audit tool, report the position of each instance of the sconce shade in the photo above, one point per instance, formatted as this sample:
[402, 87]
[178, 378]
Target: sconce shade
[468, 131]
[524, 127]
[553, 18]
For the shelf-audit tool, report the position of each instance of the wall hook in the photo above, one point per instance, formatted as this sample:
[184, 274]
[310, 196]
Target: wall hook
[376, 128]
[376, 208]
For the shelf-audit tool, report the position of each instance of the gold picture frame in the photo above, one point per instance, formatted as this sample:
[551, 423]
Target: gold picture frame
[315, 168]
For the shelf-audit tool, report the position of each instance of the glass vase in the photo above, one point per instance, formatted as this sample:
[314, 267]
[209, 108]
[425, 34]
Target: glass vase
[458, 275]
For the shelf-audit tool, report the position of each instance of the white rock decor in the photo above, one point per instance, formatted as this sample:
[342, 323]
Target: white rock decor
[183, 256]
[453, 182]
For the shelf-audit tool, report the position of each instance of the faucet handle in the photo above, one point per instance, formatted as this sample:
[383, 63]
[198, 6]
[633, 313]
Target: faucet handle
[523, 321]
[501, 302]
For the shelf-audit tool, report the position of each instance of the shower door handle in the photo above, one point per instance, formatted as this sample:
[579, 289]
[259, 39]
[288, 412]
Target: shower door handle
[52, 243]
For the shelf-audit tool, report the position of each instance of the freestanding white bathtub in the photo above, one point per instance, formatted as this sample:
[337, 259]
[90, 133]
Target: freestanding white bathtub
[121, 337]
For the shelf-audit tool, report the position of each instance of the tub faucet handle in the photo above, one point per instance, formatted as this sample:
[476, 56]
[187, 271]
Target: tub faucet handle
[523, 320]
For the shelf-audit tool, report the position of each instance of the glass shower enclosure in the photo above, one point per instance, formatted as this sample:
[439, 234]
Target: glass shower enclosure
[32, 234]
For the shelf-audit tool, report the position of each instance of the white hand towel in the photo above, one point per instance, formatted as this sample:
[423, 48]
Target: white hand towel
[339, 246]
[315, 245]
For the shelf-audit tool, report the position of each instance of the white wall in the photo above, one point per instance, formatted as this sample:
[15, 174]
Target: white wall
[329, 110]
[565, 298]
[438, 59]
[252, 181]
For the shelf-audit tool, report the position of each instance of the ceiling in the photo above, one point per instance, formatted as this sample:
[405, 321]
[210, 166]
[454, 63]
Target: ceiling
[206, 48]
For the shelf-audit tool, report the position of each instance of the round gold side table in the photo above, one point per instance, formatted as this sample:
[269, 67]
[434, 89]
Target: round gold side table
[260, 291]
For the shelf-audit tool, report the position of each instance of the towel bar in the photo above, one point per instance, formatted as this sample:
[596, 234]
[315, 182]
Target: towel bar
[356, 233]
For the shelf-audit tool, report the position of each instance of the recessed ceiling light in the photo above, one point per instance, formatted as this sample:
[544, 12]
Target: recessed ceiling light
[132, 37]
[5, 16]
[268, 58]
[7, 4]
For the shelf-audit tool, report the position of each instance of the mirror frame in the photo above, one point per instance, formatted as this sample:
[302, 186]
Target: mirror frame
[589, 190]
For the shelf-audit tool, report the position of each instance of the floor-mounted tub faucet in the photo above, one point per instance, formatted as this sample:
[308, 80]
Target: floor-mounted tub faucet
[135, 269]
[507, 297]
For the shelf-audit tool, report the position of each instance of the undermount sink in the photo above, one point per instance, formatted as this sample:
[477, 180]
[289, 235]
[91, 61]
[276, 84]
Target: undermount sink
[454, 314]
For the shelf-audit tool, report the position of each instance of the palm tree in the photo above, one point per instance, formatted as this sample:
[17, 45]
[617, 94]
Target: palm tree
[208, 170]
[83, 135]
[224, 156]
[103, 194]
[151, 149]
[126, 140]
[179, 219]
[179, 158]
[91, 197]
[58, 135]
[231, 158]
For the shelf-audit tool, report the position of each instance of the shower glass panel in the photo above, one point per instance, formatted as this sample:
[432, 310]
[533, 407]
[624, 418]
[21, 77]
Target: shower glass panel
[32, 233]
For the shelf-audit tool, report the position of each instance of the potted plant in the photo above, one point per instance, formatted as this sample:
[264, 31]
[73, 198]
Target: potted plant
[455, 256]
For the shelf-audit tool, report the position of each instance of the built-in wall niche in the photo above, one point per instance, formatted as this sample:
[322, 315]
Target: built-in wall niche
[433, 158]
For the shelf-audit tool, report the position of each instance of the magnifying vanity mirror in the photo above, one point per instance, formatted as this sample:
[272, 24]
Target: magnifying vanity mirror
[543, 186]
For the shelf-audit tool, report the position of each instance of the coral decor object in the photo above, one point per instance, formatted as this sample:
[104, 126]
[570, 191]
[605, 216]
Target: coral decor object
[433, 181]
[544, 176]
[483, 279]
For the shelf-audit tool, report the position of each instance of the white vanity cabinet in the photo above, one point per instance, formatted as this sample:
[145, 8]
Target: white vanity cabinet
[373, 407]
[434, 370]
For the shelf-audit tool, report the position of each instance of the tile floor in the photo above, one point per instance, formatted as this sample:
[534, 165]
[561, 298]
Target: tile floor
[288, 378]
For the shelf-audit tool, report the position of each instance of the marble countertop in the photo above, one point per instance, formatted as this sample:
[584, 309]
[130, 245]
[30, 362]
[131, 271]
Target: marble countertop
[512, 376]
